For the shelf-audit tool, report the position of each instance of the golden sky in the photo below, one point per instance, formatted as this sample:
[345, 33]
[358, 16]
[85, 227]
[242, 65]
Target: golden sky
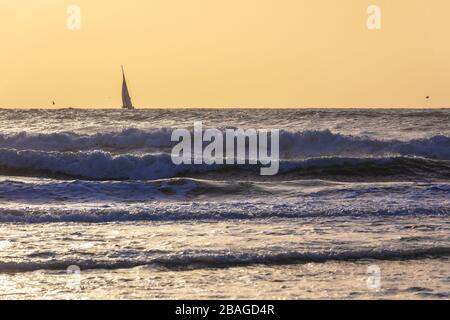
[225, 53]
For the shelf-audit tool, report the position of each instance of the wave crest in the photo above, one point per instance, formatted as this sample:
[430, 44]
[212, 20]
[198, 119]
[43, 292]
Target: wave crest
[293, 144]
[100, 165]
[199, 260]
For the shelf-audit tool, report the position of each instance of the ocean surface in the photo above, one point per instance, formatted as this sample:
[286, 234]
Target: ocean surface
[92, 207]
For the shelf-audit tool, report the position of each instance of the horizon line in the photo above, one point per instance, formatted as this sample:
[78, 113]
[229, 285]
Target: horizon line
[218, 108]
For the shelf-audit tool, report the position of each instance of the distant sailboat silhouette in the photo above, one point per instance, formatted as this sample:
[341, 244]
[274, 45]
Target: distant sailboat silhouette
[126, 99]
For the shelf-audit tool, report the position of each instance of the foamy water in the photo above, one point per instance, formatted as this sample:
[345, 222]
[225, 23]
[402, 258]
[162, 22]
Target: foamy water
[97, 189]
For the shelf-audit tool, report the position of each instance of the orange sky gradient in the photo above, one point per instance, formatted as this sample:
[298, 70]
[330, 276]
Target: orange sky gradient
[233, 53]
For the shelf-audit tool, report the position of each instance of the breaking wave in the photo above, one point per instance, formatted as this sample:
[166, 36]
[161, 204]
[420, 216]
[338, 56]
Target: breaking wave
[293, 144]
[197, 211]
[101, 165]
[205, 259]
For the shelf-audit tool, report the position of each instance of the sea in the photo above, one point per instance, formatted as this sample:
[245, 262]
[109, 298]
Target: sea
[92, 206]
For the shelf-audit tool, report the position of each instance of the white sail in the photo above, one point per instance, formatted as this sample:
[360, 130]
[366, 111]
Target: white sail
[126, 99]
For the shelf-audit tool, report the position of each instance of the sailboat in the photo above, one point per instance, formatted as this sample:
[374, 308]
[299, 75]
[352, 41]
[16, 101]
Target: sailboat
[126, 99]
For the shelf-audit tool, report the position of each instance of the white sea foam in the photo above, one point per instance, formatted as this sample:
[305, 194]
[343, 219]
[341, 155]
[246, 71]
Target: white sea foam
[293, 144]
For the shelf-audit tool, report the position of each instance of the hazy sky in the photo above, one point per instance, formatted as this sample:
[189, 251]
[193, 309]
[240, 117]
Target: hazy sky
[225, 53]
